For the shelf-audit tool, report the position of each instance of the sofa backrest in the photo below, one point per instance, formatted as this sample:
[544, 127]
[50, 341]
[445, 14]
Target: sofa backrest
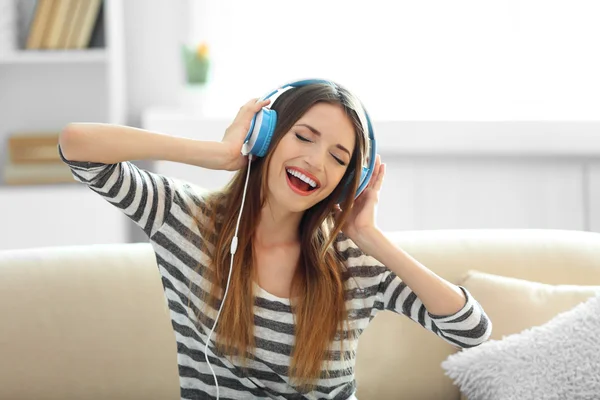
[92, 322]
[85, 322]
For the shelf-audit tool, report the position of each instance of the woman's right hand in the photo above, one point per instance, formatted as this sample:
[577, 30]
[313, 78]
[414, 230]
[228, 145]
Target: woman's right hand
[235, 134]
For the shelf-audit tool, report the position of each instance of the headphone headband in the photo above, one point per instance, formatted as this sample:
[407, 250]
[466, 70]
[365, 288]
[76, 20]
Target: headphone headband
[295, 84]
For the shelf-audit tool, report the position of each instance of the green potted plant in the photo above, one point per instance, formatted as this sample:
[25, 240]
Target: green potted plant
[196, 63]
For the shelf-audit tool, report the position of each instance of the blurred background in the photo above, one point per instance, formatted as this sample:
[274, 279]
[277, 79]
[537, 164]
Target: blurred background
[487, 113]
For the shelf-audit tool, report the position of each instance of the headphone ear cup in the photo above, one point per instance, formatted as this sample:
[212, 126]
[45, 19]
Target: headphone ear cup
[363, 181]
[361, 185]
[260, 133]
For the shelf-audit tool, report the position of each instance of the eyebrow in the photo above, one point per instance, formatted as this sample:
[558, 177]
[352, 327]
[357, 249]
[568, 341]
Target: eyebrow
[316, 132]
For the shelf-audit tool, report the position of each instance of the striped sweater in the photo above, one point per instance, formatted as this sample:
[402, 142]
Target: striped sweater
[160, 206]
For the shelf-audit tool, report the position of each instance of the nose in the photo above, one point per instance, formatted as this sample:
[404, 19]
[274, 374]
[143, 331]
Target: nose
[315, 160]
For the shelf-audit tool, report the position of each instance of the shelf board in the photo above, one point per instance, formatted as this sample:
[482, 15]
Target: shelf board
[21, 57]
[6, 189]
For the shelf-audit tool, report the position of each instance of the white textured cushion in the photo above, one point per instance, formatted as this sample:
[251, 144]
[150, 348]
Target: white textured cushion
[558, 360]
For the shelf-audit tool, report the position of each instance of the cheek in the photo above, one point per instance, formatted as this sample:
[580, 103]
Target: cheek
[280, 154]
[272, 171]
[335, 179]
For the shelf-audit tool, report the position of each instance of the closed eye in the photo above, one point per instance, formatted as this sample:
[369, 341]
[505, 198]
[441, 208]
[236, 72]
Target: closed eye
[339, 161]
[303, 139]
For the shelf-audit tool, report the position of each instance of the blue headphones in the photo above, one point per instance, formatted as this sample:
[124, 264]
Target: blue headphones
[263, 125]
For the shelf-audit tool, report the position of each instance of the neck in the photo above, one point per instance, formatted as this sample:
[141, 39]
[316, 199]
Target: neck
[277, 226]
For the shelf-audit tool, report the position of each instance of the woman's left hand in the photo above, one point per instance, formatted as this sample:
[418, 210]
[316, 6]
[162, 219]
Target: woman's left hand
[362, 216]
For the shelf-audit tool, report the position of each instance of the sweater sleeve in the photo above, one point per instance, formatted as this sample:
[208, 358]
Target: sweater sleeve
[468, 327]
[143, 196]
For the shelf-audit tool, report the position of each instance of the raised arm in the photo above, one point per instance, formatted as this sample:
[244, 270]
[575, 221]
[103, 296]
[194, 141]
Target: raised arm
[111, 144]
[100, 155]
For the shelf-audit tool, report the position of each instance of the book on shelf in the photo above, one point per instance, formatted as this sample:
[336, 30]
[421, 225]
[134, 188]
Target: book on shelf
[62, 24]
[33, 159]
[33, 147]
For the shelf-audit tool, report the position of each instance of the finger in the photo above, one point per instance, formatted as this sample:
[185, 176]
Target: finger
[260, 104]
[252, 106]
[379, 181]
[244, 110]
[248, 110]
[376, 172]
[249, 104]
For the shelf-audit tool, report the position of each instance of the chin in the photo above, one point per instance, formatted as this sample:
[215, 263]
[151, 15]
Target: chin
[303, 206]
[295, 204]
[298, 204]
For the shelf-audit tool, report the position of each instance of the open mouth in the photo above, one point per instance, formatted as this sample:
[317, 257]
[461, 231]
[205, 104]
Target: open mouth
[300, 183]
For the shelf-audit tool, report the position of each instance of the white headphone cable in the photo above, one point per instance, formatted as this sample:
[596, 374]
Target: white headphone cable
[233, 249]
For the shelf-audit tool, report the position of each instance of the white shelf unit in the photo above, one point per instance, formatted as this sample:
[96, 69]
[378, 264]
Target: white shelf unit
[43, 57]
[56, 216]
[43, 90]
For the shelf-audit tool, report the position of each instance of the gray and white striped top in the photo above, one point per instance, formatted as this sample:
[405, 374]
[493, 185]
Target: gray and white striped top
[160, 206]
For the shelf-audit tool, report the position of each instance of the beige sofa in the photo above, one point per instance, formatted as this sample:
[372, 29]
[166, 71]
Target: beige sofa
[90, 322]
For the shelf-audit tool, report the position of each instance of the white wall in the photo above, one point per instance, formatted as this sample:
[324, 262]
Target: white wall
[548, 193]
[528, 61]
[153, 31]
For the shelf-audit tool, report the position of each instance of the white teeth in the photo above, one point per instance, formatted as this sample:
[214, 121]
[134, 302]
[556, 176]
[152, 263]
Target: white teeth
[302, 177]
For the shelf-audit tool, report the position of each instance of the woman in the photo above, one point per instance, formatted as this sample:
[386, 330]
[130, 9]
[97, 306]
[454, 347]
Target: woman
[311, 268]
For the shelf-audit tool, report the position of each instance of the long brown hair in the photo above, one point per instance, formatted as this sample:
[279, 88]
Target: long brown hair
[318, 302]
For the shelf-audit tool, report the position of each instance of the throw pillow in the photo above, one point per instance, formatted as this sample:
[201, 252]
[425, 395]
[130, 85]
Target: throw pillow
[558, 360]
[516, 304]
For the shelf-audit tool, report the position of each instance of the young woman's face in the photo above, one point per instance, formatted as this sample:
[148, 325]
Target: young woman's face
[311, 158]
